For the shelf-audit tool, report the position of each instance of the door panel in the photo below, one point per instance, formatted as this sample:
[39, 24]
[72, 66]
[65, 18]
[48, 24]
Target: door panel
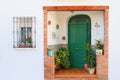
[77, 41]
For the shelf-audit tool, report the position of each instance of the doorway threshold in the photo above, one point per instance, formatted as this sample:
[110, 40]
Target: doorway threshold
[74, 73]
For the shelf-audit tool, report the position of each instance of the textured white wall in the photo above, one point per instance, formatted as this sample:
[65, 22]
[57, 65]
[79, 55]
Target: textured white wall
[62, 17]
[75, 2]
[20, 64]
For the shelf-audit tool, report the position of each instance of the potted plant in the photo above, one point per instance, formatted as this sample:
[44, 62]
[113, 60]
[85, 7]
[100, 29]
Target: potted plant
[62, 58]
[90, 58]
[22, 44]
[87, 48]
[99, 47]
[28, 40]
[50, 53]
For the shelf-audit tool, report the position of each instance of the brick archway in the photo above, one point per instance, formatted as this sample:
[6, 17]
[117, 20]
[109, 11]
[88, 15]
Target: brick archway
[102, 61]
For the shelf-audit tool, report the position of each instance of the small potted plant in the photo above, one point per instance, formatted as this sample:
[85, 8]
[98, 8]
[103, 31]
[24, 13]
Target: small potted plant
[90, 59]
[92, 62]
[99, 47]
[22, 44]
[28, 40]
[86, 67]
[87, 48]
[50, 53]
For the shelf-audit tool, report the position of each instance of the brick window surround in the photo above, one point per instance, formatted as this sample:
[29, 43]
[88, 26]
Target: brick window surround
[102, 61]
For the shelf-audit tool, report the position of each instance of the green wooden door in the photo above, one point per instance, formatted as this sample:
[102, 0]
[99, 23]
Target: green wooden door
[77, 41]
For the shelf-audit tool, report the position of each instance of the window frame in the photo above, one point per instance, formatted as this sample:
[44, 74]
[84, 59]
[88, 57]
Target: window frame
[24, 32]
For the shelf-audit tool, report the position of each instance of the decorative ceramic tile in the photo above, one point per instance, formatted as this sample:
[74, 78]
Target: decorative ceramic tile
[57, 26]
[63, 38]
[49, 22]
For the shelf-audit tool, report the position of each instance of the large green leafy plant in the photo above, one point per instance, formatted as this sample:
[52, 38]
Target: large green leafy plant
[90, 57]
[62, 58]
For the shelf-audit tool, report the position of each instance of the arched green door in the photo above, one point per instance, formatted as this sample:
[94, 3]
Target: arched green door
[79, 33]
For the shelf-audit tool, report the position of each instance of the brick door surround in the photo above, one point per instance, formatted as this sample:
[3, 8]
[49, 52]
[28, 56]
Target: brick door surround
[102, 61]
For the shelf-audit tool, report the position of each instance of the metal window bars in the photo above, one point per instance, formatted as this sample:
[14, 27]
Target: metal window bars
[24, 32]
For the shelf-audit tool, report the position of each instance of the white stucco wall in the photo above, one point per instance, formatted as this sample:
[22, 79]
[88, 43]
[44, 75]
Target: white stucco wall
[62, 17]
[20, 64]
[75, 2]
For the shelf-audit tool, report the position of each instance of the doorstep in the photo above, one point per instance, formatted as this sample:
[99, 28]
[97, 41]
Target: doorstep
[74, 73]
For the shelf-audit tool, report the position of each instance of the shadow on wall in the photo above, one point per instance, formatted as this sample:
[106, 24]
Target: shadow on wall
[57, 47]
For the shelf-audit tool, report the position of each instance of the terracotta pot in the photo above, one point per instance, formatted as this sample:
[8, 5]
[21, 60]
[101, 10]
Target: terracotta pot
[57, 67]
[86, 67]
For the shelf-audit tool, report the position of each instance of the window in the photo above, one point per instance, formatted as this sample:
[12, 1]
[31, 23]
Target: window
[24, 32]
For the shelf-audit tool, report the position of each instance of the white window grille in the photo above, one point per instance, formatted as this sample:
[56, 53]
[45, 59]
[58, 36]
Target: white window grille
[24, 32]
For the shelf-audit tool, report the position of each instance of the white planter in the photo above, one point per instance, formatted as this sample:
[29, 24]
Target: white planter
[28, 44]
[22, 44]
[99, 52]
[91, 70]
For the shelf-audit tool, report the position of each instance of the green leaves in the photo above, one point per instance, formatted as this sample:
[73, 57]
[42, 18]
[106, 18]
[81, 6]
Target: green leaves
[57, 60]
[88, 47]
[62, 57]
[90, 57]
[67, 63]
[98, 44]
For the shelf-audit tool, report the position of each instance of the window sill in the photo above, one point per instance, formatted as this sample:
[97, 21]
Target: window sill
[25, 47]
